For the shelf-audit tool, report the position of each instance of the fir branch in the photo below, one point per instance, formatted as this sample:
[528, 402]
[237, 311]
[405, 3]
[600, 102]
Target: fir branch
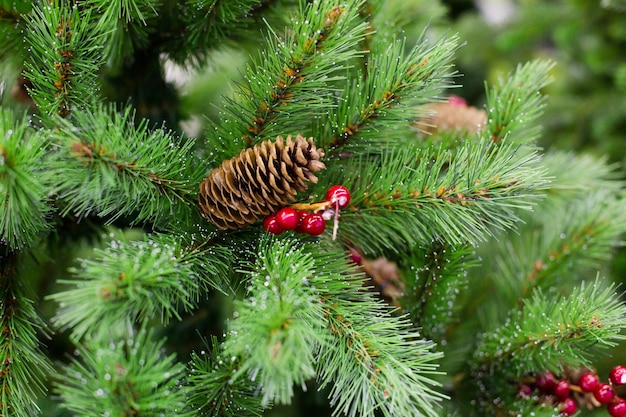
[65, 55]
[460, 197]
[124, 374]
[435, 275]
[375, 362]
[158, 276]
[515, 103]
[109, 167]
[551, 331]
[394, 84]
[24, 182]
[210, 22]
[124, 25]
[561, 244]
[213, 391]
[23, 366]
[290, 82]
[276, 331]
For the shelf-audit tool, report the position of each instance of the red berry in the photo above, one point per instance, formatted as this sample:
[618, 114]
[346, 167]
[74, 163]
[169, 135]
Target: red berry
[287, 218]
[302, 214]
[618, 375]
[617, 408]
[546, 381]
[270, 224]
[561, 389]
[588, 381]
[604, 393]
[568, 407]
[524, 391]
[314, 224]
[338, 195]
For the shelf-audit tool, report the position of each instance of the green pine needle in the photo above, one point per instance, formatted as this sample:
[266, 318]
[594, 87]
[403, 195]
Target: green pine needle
[389, 96]
[460, 197]
[375, 362]
[122, 373]
[276, 331]
[109, 167]
[291, 82]
[23, 365]
[24, 182]
[213, 390]
[515, 103]
[65, 55]
[156, 277]
[551, 331]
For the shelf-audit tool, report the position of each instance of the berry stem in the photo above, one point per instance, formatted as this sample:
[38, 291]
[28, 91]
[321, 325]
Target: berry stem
[315, 207]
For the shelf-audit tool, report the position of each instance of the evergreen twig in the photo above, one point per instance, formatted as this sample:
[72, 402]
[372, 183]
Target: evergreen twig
[109, 167]
[123, 372]
[24, 182]
[139, 280]
[23, 365]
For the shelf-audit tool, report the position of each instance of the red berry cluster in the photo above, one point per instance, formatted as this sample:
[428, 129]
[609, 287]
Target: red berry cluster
[560, 391]
[305, 221]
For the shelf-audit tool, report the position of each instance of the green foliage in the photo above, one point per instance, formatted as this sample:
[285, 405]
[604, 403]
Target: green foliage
[571, 331]
[394, 85]
[24, 182]
[495, 241]
[140, 280]
[110, 167]
[24, 365]
[123, 24]
[122, 372]
[64, 58]
[293, 73]
[212, 389]
[463, 196]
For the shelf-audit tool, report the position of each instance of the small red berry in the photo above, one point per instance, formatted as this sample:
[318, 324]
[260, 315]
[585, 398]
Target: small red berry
[302, 214]
[524, 391]
[339, 195]
[568, 407]
[588, 381]
[618, 375]
[287, 218]
[314, 224]
[270, 224]
[561, 389]
[617, 408]
[604, 393]
[546, 381]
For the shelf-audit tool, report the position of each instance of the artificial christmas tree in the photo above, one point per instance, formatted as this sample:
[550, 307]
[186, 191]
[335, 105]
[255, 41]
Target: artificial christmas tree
[148, 273]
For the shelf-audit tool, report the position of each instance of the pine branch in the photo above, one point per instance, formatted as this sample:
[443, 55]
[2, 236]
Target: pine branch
[551, 331]
[394, 85]
[65, 55]
[109, 167]
[158, 276]
[290, 82]
[214, 392]
[277, 329]
[463, 197]
[375, 362]
[24, 182]
[23, 366]
[577, 238]
[124, 25]
[434, 277]
[122, 373]
[515, 103]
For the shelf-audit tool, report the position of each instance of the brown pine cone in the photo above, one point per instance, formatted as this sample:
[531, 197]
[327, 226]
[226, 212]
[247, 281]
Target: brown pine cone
[259, 181]
[453, 115]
